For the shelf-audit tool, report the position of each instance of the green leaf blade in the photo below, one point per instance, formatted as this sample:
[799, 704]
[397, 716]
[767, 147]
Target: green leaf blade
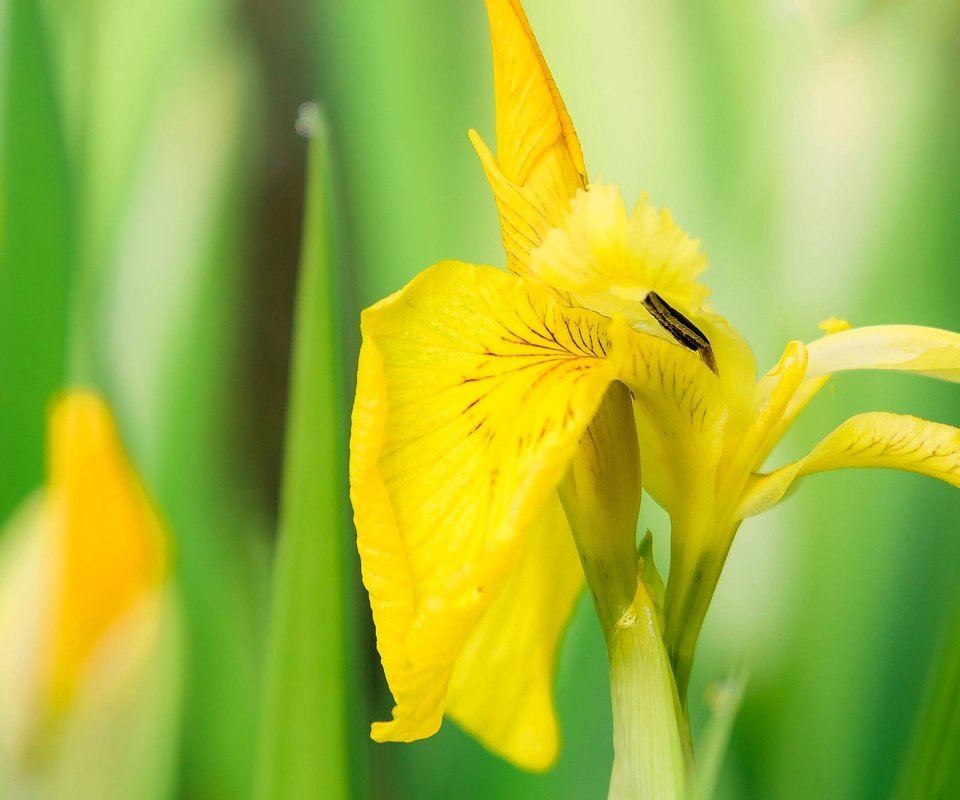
[36, 247]
[305, 747]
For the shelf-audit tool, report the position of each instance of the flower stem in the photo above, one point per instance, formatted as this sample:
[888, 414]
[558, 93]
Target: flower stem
[689, 592]
[601, 497]
[648, 755]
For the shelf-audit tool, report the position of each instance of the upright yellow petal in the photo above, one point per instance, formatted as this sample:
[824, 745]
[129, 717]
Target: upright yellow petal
[111, 543]
[775, 406]
[531, 116]
[878, 439]
[501, 690]
[473, 390]
[539, 164]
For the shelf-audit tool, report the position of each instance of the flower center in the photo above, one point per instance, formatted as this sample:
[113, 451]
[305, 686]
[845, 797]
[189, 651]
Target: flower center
[610, 261]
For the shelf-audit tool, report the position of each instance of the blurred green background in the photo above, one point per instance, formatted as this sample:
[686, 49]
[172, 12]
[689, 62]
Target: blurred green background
[152, 186]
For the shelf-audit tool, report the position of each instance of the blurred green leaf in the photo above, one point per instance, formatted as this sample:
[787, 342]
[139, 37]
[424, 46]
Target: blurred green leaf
[932, 769]
[723, 699]
[36, 247]
[305, 739]
[168, 340]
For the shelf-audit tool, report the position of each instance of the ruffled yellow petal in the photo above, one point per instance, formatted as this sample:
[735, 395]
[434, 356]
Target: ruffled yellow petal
[539, 164]
[502, 685]
[908, 348]
[879, 439]
[474, 388]
[609, 260]
[111, 542]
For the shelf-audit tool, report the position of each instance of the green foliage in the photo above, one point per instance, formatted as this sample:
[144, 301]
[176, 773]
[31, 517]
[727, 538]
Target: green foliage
[306, 742]
[36, 246]
[931, 768]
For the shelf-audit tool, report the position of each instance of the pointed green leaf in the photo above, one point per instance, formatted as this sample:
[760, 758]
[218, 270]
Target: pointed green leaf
[304, 739]
[36, 238]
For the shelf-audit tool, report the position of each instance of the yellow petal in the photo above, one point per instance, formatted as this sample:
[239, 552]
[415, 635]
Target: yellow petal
[834, 325]
[473, 390]
[539, 164]
[775, 405]
[779, 380]
[532, 120]
[112, 544]
[879, 439]
[524, 220]
[502, 686]
[681, 416]
[908, 348]
[736, 368]
[609, 260]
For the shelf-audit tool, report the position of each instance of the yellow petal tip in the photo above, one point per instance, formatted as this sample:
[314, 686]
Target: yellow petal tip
[834, 325]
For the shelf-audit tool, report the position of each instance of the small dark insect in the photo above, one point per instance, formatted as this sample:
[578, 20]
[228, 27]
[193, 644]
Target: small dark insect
[681, 329]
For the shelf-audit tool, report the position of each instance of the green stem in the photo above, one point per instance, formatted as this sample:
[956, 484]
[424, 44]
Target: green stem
[648, 754]
[690, 589]
[601, 496]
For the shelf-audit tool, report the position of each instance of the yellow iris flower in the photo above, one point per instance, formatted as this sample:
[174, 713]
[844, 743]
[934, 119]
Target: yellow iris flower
[476, 388]
[83, 604]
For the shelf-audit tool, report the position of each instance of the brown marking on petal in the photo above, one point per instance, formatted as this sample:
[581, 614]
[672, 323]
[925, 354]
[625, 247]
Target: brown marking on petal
[681, 329]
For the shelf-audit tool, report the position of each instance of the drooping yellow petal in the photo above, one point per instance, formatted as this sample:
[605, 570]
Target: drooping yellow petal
[539, 164]
[878, 439]
[112, 545]
[501, 690]
[609, 260]
[908, 348]
[473, 390]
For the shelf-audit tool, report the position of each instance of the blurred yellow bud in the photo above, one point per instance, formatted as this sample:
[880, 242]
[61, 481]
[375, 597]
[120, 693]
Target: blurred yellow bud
[84, 606]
